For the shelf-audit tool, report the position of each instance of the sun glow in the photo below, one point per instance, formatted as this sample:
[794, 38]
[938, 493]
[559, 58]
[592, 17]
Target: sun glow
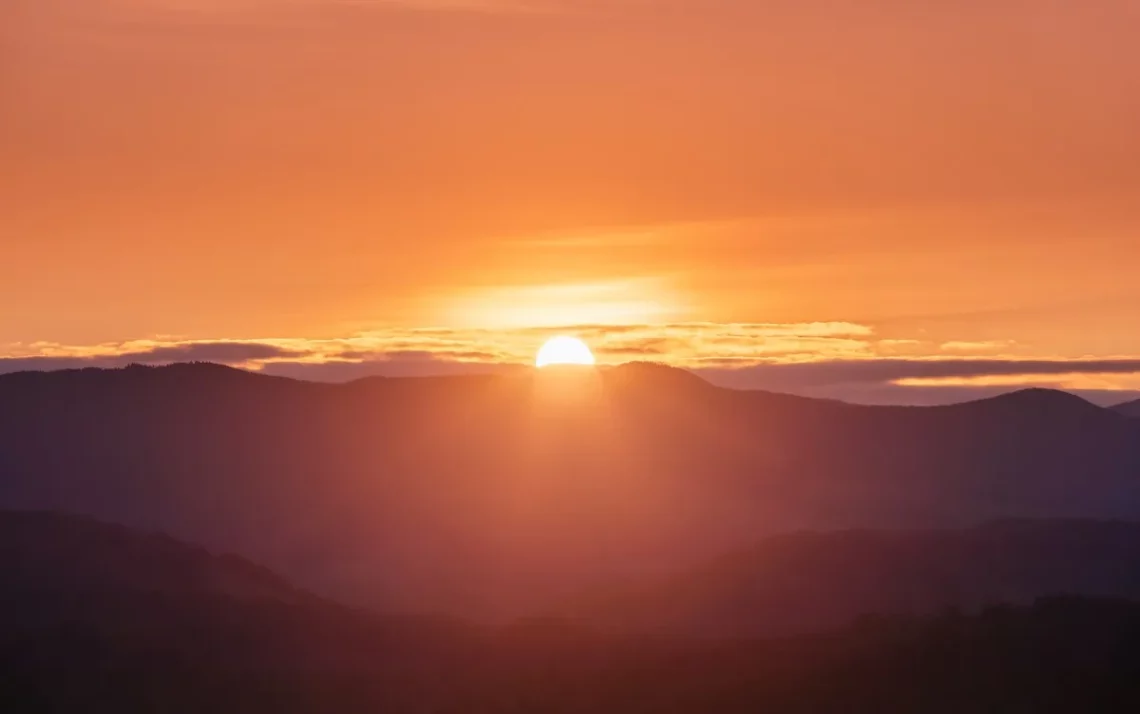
[564, 350]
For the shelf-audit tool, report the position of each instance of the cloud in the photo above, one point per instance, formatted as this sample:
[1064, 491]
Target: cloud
[828, 359]
[406, 365]
[50, 364]
[221, 352]
[889, 371]
[398, 351]
[109, 356]
[977, 346]
[935, 395]
[232, 7]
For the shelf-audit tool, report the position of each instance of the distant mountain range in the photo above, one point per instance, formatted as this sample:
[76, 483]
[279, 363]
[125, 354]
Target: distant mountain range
[500, 496]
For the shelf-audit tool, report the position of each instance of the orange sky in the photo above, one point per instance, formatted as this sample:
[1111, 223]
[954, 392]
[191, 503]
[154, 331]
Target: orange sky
[958, 180]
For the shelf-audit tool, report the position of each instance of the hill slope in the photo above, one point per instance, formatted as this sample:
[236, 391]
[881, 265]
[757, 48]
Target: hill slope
[48, 552]
[497, 496]
[805, 582]
[98, 614]
[1128, 409]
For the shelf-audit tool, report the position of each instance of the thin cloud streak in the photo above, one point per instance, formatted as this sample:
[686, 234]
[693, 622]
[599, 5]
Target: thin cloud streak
[830, 359]
[887, 371]
[232, 7]
[57, 357]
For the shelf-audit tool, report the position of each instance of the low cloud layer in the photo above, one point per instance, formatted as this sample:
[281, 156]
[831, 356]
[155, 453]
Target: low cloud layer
[57, 357]
[826, 359]
[832, 373]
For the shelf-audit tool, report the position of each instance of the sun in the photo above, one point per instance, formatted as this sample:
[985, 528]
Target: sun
[564, 350]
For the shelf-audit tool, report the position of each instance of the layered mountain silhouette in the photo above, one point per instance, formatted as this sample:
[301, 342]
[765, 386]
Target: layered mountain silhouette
[495, 497]
[99, 618]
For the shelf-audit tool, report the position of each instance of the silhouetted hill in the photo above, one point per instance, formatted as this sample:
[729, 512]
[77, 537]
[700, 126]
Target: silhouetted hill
[51, 559]
[1128, 409]
[95, 617]
[48, 552]
[804, 582]
[499, 496]
[1047, 401]
[650, 375]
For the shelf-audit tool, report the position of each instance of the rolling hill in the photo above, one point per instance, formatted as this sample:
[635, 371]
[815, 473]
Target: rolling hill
[95, 616]
[819, 581]
[100, 618]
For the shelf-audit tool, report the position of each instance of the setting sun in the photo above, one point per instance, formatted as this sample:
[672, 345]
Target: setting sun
[564, 350]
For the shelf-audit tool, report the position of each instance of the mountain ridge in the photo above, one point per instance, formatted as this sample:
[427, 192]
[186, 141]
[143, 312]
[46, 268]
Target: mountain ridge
[647, 372]
[409, 493]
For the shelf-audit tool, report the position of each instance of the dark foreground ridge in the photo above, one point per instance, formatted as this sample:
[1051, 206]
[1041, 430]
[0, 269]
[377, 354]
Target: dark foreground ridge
[87, 631]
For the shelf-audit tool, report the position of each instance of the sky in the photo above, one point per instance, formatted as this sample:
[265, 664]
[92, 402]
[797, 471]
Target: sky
[887, 201]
